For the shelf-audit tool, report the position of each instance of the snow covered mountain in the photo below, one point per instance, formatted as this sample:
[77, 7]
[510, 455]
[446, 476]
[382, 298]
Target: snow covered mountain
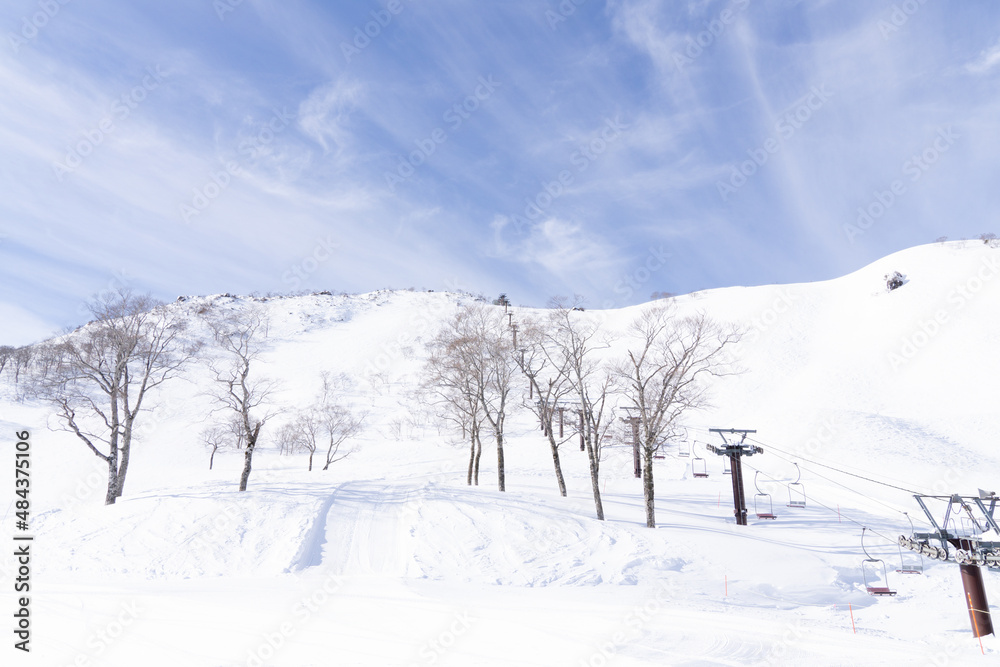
[388, 558]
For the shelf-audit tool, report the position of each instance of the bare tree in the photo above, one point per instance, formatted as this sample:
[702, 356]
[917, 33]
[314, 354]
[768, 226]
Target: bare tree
[237, 433]
[474, 353]
[663, 375]
[216, 438]
[20, 360]
[574, 341]
[240, 389]
[457, 393]
[98, 377]
[332, 423]
[324, 424]
[549, 386]
[337, 424]
[6, 354]
[299, 435]
[496, 371]
[289, 439]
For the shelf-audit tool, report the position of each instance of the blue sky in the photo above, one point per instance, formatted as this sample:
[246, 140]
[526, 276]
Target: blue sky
[605, 148]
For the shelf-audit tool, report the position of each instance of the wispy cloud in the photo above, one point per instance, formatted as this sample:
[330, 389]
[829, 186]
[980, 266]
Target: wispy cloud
[273, 139]
[324, 115]
[986, 61]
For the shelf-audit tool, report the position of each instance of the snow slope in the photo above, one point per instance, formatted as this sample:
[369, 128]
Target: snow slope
[388, 558]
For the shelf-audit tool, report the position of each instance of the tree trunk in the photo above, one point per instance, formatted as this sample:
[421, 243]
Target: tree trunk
[126, 450]
[500, 467]
[247, 464]
[472, 460]
[479, 453]
[310, 461]
[595, 480]
[248, 457]
[112, 494]
[555, 461]
[647, 486]
[211, 459]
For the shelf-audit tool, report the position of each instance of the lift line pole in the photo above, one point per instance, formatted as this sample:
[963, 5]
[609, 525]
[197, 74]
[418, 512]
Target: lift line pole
[736, 452]
[636, 460]
[634, 422]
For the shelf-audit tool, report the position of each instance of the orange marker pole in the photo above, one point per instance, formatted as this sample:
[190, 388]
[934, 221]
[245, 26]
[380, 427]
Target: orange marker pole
[851, 607]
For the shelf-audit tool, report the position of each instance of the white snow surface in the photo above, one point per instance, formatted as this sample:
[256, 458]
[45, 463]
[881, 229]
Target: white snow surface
[389, 558]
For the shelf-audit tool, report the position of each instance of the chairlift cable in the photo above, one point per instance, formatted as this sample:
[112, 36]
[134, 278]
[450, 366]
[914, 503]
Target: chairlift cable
[813, 499]
[833, 481]
[844, 472]
[875, 481]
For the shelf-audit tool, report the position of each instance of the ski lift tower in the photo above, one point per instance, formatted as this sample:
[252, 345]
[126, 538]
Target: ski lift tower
[962, 542]
[736, 451]
[634, 420]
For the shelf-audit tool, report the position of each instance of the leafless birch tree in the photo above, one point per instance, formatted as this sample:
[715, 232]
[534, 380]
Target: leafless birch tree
[338, 424]
[99, 377]
[664, 377]
[546, 370]
[473, 364]
[325, 424]
[575, 342]
[240, 389]
[216, 438]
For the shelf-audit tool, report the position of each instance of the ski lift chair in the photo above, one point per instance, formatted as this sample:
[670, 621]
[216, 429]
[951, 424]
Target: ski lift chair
[797, 492]
[684, 449]
[969, 527]
[762, 504]
[870, 568]
[727, 467]
[910, 566]
[699, 467]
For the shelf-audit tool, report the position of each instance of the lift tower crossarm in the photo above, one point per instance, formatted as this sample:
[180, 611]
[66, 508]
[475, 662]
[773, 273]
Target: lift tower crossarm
[989, 513]
[970, 551]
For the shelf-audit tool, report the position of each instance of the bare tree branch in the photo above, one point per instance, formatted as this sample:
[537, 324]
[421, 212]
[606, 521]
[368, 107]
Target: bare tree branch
[240, 391]
[663, 375]
[98, 378]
